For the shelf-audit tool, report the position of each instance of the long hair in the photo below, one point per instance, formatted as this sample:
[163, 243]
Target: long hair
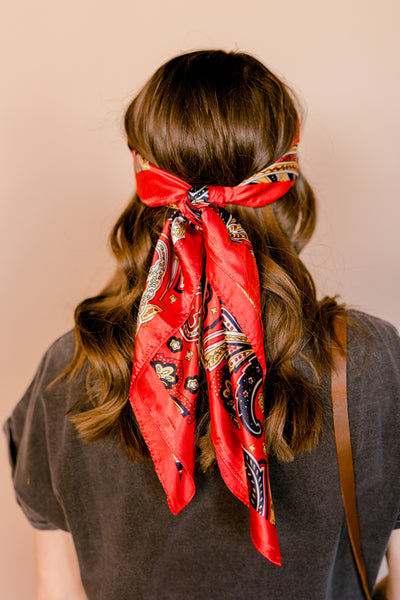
[213, 118]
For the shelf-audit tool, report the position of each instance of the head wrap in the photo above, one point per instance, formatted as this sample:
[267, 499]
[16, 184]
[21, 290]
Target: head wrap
[203, 294]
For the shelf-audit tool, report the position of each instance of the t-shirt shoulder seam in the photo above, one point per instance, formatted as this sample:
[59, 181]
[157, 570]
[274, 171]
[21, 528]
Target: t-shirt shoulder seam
[363, 318]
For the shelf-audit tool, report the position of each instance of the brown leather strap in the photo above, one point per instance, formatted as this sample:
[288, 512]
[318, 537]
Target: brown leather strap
[343, 449]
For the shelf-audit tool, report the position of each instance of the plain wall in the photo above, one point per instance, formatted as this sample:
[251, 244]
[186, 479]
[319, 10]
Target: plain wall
[68, 70]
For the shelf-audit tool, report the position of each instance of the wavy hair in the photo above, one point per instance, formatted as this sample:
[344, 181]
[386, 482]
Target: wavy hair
[213, 118]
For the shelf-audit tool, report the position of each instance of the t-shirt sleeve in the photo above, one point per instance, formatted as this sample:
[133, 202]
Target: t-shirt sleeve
[27, 432]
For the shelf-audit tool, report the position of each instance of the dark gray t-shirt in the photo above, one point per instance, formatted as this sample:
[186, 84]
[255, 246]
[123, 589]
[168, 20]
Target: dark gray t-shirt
[130, 546]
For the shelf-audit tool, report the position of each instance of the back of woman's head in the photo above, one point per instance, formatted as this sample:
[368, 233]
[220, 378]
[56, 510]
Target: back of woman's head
[215, 118]
[212, 118]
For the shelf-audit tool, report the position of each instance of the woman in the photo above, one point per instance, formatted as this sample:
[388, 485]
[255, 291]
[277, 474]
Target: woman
[207, 352]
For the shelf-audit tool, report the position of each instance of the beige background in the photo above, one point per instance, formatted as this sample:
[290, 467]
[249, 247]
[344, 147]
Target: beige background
[69, 68]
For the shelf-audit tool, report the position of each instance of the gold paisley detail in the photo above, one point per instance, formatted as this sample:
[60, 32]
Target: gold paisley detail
[149, 312]
[239, 359]
[213, 357]
[227, 393]
[166, 373]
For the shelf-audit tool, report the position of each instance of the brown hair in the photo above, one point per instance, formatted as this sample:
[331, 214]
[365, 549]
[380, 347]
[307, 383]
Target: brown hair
[213, 118]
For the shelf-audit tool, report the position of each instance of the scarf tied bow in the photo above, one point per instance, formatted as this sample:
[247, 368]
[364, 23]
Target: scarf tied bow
[184, 313]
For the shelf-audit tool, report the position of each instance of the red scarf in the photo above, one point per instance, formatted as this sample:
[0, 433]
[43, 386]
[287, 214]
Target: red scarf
[203, 237]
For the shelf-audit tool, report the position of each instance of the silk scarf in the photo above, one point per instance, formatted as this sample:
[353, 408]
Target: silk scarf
[202, 296]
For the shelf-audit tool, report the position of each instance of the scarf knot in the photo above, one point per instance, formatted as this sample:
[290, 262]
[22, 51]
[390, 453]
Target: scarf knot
[199, 198]
[193, 204]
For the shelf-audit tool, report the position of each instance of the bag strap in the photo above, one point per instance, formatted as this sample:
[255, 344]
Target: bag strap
[343, 449]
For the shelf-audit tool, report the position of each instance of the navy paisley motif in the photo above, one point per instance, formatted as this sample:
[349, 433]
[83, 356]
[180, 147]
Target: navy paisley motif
[256, 478]
[246, 394]
[243, 360]
[166, 373]
[230, 322]
[175, 344]
[226, 395]
[192, 384]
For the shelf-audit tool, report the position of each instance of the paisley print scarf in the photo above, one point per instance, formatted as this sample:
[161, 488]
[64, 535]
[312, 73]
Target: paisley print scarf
[203, 295]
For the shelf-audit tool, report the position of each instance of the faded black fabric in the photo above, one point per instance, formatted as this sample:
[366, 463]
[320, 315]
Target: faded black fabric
[131, 547]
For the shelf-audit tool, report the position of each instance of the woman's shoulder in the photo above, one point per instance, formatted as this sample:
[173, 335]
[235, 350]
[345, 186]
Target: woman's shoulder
[373, 366]
[59, 354]
[55, 384]
[371, 323]
[47, 390]
[372, 336]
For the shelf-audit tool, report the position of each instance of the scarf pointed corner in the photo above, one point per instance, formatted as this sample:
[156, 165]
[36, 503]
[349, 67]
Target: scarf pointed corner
[176, 506]
[265, 540]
